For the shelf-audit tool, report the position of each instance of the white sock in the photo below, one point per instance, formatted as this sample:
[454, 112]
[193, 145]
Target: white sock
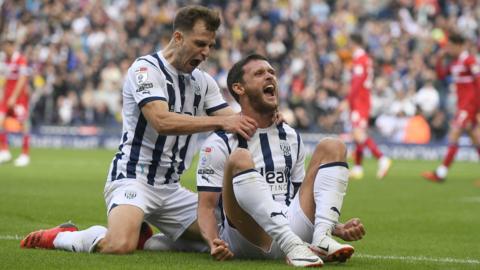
[80, 241]
[442, 171]
[254, 196]
[329, 189]
[161, 242]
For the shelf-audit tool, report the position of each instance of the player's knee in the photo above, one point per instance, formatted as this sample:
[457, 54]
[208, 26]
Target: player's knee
[118, 245]
[331, 150]
[240, 160]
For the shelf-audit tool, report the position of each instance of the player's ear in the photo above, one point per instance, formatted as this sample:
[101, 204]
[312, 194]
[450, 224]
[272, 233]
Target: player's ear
[178, 37]
[238, 89]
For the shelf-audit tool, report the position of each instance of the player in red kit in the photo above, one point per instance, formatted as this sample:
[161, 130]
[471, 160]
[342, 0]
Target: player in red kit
[14, 100]
[359, 103]
[465, 73]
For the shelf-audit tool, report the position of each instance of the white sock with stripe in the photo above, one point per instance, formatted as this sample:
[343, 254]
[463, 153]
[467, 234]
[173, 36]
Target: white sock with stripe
[254, 196]
[80, 241]
[329, 189]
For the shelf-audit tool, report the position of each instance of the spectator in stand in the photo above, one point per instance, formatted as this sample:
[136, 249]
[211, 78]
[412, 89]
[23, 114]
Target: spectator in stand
[74, 41]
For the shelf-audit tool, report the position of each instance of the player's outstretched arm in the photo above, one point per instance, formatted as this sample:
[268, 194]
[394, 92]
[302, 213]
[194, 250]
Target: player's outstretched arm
[170, 123]
[351, 230]
[207, 203]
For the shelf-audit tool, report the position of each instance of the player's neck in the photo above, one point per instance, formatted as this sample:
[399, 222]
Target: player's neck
[169, 54]
[263, 119]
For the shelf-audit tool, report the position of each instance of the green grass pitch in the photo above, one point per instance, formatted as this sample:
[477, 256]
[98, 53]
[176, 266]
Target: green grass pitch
[411, 223]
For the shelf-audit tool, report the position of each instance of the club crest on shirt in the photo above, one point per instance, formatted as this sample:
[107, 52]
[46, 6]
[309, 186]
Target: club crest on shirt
[196, 88]
[285, 147]
[141, 75]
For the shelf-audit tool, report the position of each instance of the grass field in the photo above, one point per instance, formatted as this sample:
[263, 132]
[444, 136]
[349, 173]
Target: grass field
[411, 223]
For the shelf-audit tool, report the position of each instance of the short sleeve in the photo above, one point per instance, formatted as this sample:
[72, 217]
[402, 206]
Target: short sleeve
[212, 158]
[473, 65]
[22, 66]
[146, 83]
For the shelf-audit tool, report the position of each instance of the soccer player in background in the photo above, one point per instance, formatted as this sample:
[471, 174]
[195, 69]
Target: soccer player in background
[272, 208]
[166, 101]
[14, 100]
[359, 102]
[465, 72]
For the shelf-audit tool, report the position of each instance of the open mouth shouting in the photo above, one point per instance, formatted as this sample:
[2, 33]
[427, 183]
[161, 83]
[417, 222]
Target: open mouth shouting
[270, 91]
[195, 62]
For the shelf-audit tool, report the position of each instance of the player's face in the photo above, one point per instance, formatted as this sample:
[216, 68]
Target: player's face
[195, 47]
[261, 85]
[454, 49]
[8, 48]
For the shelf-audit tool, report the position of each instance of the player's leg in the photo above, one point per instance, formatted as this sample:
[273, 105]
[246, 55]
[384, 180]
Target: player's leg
[359, 136]
[23, 118]
[5, 154]
[321, 197]
[250, 208]
[177, 220]
[124, 223]
[441, 172]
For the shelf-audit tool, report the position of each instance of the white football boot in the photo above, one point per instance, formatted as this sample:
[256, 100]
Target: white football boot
[5, 156]
[356, 172]
[384, 164]
[22, 161]
[302, 256]
[330, 250]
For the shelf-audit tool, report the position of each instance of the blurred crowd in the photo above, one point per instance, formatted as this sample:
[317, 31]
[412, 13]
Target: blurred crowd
[79, 50]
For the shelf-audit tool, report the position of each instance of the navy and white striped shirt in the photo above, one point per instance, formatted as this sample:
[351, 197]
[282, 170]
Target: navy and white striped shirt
[277, 151]
[143, 154]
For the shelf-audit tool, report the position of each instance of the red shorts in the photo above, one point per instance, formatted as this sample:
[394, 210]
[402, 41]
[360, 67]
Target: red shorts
[465, 119]
[19, 111]
[359, 119]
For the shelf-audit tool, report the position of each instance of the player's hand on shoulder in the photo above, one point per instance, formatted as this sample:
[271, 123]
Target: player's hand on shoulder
[220, 250]
[351, 230]
[241, 124]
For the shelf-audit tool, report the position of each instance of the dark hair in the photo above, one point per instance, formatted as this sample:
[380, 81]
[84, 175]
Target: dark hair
[357, 39]
[235, 74]
[186, 18]
[456, 38]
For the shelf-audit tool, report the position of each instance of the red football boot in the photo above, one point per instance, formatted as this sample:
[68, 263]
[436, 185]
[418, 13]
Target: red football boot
[432, 176]
[145, 233]
[44, 238]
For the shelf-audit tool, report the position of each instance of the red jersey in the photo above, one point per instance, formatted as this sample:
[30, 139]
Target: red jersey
[361, 83]
[465, 72]
[12, 69]
[15, 67]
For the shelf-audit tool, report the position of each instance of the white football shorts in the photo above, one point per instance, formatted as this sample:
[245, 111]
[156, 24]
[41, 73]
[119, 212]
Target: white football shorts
[170, 207]
[242, 248]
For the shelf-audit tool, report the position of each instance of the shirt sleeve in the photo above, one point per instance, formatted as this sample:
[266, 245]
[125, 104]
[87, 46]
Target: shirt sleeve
[22, 66]
[214, 100]
[474, 66]
[147, 83]
[211, 162]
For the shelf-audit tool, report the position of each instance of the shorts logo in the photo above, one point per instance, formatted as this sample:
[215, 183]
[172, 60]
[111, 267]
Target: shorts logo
[129, 194]
[285, 148]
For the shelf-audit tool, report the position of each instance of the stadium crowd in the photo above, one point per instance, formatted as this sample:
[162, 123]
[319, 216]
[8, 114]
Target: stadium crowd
[79, 51]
